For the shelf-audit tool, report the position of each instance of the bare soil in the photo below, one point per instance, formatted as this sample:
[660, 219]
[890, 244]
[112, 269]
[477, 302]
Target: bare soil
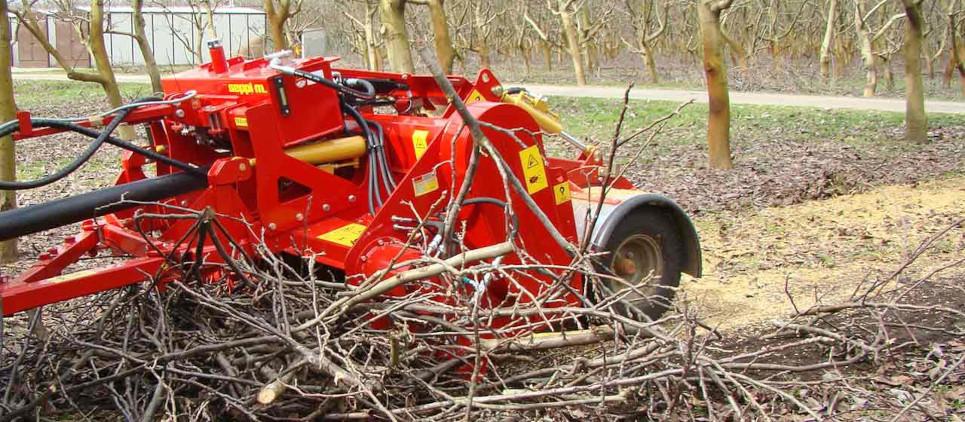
[820, 252]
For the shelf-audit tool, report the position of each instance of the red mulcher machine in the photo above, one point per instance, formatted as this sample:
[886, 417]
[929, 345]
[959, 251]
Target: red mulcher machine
[351, 168]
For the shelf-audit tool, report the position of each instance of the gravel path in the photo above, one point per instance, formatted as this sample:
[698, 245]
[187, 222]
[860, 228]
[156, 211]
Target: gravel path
[754, 98]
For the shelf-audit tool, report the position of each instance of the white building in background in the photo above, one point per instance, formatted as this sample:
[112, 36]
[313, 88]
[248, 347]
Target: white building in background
[171, 32]
[173, 35]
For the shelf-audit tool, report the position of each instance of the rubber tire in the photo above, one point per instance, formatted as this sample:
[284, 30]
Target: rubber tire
[658, 224]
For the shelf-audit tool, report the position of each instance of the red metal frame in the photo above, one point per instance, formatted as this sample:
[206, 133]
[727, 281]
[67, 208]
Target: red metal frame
[259, 193]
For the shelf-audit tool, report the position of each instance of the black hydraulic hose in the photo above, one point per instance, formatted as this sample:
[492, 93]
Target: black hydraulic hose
[37, 218]
[374, 197]
[93, 133]
[9, 128]
[383, 160]
[369, 88]
[514, 221]
[78, 161]
[368, 94]
[374, 190]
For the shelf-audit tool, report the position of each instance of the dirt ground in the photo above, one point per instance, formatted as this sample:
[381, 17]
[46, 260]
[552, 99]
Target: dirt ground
[821, 251]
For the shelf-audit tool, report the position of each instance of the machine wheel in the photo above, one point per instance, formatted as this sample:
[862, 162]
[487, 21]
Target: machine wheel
[646, 251]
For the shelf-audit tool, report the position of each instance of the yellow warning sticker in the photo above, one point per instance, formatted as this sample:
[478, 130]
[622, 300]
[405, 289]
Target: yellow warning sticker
[420, 142]
[533, 169]
[473, 97]
[427, 183]
[345, 235]
[562, 192]
[241, 122]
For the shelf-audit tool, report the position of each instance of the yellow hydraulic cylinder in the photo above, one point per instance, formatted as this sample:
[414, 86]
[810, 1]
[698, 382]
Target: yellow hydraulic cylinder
[329, 151]
[536, 107]
[548, 121]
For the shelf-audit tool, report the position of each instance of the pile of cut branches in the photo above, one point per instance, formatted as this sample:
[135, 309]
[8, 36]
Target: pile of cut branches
[276, 350]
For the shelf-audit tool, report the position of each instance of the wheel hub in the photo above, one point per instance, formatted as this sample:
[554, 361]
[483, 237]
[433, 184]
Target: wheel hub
[638, 259]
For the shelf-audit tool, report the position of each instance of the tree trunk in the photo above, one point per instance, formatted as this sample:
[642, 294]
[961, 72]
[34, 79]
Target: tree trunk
[828, 39]
[440, 29]
[889, 76]
[373, 55]
[739, 54]
[547, 50]
[140, 35]
[277, 17]
[587, 48]
[956, 57]
[379, 58]
[8, 112]
[98, 51]
[209, 15]
[867, 50]
[961, 67]
[198, 45]
[929, 60]
[646, 54]
[102, 62]
[916, 129]
[718, 122]
[527, 60]
[276, 29]
[485, 56]
[396, 36]
[573, 46]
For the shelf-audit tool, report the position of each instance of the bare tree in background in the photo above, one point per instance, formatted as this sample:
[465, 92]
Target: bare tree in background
[278, 13]
[392, 13]
[94, 40]
[201, 19]
[368, 32]
[140, 35]
[546, 43]
[715, 72]
[956, 56]
[440, 31]
[643, 14]
[867, 39]
[481, 36]
[566, 10]
[522, 44]
[916, 123]
[828, 39]
[8, 112]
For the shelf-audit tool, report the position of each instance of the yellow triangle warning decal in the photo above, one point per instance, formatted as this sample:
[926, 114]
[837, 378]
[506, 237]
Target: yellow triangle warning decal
[533, 171]
[533, 162]
[474, 96]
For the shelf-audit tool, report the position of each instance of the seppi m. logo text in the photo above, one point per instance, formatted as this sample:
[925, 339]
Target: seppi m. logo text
[247, 89]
